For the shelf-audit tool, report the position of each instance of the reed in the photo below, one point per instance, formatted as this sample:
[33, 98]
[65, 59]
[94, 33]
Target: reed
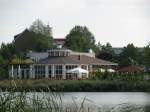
[77, 85]
[31, 101]
[12, 101]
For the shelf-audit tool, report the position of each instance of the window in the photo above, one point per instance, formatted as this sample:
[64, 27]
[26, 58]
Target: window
[51, 53]
[50, 71]
[69, 75]
[58, 69]
[84, 66]
[39, 71]
[56, 53]
[61, 53]
[69, 67]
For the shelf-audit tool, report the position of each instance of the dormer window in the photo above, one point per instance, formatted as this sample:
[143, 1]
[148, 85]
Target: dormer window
[56, 53]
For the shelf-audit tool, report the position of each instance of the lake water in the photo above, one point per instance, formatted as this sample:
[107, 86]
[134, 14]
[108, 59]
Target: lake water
[106, 101]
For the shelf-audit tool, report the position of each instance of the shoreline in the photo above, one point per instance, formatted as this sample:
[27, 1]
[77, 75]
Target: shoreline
[75, 85]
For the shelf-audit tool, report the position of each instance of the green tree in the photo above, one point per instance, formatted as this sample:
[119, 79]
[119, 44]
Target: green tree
[129, 56]
[3, 68]
[146, 56]
[106, 52]
[7, 51]
[39, 27]
[42, 37]
[80, 39]
[42, 42]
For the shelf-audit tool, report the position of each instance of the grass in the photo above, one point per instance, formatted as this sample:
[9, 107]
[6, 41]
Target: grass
[12, 101]
[101, 82]
[77, 85]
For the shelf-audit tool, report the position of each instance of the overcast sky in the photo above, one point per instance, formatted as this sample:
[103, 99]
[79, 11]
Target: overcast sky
[116, 21]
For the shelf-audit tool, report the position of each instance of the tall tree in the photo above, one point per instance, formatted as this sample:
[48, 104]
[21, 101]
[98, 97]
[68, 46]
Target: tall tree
[129, 56]
[42, 42]
[7, 51]
[146, 56]
[80, 39]
[39, 27]
[3, 68]
[106, 52]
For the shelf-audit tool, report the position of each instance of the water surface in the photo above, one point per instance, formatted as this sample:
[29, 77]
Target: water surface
[105, 101]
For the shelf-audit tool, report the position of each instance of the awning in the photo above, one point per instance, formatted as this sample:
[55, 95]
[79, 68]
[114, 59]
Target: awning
[110, 70]
[78, 70]
[102, 70]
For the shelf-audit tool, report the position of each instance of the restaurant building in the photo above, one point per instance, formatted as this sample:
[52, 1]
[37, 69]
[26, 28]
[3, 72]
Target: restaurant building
[57, 64]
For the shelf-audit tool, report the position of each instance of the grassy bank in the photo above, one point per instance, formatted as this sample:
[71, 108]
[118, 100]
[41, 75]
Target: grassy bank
[76, 85]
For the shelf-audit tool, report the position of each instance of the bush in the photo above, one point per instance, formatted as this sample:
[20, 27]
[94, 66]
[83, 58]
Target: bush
[76, 85]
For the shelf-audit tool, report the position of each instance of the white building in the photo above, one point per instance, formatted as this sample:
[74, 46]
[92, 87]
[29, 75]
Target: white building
[55, 64]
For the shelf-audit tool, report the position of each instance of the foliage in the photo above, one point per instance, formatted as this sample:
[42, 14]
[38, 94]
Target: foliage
[113, 82]
[32, 42]
[7, 51]
[120, 76]
[39, 27]
[146, 56]
[22, 102]
[42, 42]
[129, 56]
[12, 101]
[37, 38]
[106, 52]
[80, 39]
[2, 61]
[3, 71]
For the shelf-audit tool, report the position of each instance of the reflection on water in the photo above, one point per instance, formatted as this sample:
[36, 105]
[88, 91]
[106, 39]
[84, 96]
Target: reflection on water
[109, 102]
[110, 98]
[103, 101]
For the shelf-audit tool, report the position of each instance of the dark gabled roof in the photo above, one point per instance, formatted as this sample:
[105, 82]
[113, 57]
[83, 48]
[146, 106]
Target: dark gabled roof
[131, 69]
[20, 34]
[74, 59]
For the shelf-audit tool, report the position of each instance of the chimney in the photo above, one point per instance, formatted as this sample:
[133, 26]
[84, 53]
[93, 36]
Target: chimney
[79, 57]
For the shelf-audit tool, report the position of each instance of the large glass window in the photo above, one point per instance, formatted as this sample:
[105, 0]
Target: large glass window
[84, 66]
[69, 75]
[61, 53]
[39, 71]
[56, 53]
[69, 67]
[50, 71]
[58, 69]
